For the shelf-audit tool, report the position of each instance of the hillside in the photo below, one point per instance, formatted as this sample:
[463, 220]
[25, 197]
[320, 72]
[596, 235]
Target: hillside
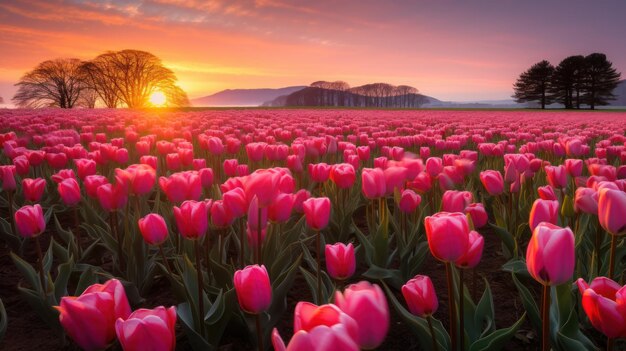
[243, 97]
[620, 94]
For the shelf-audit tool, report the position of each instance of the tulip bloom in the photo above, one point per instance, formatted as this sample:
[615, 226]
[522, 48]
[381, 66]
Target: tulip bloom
[409, 201]
[7, 174]
[612, 210]
[492, 181]
[89, 319]
[343, 175]
[340, 261]
[543, 211]
[317, 212]
[546, 192]
[373, 183]
[474, 251]
[192, 219]
[263, 184]
[153, 229]
[367, 305]
[550, 254]
[448, 235]
[556, 176]
[280, 210]
[92, 183]
[235, 201]
[148, 329]
[33, 188]
[319, 172]
[182, 186]
[220, 215]
[85, 167]
[253, 288]
[112, 197]
[574, 167]
[420, 296]
[586, 200]
[30, 221]
[69, 191]
[478, 214]
[456, 201]
[604, 302]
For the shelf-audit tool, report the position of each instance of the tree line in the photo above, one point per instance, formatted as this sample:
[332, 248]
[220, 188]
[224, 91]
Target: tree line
[339, 93]
[576, 82]
[125, 78]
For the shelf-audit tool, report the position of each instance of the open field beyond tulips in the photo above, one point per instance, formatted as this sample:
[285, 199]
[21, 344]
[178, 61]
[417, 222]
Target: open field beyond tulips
[296, 229]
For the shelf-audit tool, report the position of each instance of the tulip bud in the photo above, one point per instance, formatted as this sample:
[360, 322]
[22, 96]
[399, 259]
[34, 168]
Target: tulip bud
[492, 181]
[604, 302]
[254, 292]
[153, 229]
[550, 254]
[30, 221]
[543, 211]
[317, 212]
[612, 210]
[409, 201]
[33, 188]
[474, 251]
[192, 219]
[148, 329]
[340, 261]
[69, 191]
[448, 235]
[419, 294]
[373, 183]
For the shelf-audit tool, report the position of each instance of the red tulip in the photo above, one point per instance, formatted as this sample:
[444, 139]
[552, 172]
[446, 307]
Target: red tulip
[612, 210]
[474, 251]
[448, 235]
[340, 261]
[192, 218]
[149, 160]
[22, 166]
[30, 221]
[148, 330]
[550, 254]
[280, 209]
[434, 166]
[153, 229]
[254, 292]
[112, 197]
[419, 294]
[320, 338]
[220, 215]
[409, 201]
[395, 178]
[308, 316]
[299, 198]
[263, 184]
[492, 181]
[235, 201]
[317, 212]
[546, 192]
[373, 183]
[574, 167]
[173, 162]
[478, 214]
[456, 201]
[343, 175]
[604, 302]
[56, 161]
[69, 191]
[543, 211]
[33, 188]
[255, 151]
[89, 319]
[367, 305]
[59, 176]
[586, 200]
[8, 178]
[230, 167]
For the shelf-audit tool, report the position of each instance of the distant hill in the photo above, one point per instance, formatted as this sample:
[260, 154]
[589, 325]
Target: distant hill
[620, 93]
[243, 97]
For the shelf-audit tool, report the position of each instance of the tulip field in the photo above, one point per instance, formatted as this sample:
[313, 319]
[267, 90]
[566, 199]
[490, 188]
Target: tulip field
[300, 229]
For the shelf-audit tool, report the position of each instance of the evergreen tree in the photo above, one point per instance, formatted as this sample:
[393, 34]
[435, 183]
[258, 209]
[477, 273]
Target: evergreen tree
[533, 84]
[602, 79]
[568, 82]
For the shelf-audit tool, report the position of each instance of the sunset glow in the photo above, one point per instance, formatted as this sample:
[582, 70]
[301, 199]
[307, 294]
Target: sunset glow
[158, 99]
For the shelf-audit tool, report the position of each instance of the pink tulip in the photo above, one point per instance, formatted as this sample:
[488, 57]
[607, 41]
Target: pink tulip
[434, 166]
[474, 251]
[220, 215]
[340, 260]
[319, 172]
[456, 201]
[153, 229]
[69, 191]
[317, 212]
[263, 184]
[299, 198]
[30, 221]
[230, 167]
[546, 192]
[173, 162]
[478, 214]
[343, 175]
[56, 161]
[556, 176]
[253, 215]
[409, 201]
[320, 338]
[373, 183]
[492, 181]
[550, 254]
[235, 201]
[148, 330]
[604, 302]
[612, 211]
[308, 316]
[112, 197]
[92, 183]
[22, 166]
[33, 188]
[63, 174]
[7, 174]
[280, 209]
[255, 151]
[192, 218]
[254, 292]
[574, 167]
[543, 211]
[448, 235]
[395, 178]
[367, 305]
[419, 294]
[586, 200]
[85, 167]
[182, 186]
[206, 177]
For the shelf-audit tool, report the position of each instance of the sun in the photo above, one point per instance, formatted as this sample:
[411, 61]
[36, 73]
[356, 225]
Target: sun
[157, 99]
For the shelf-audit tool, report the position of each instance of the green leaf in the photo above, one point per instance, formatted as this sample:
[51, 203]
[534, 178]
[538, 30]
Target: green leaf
[4, 321]
[507, 239]
[216, 311]
[529, 303]
[186, 316]
[63, 277]
[498, 339]
[87, 278]
[27, 271]
[485, 314]
[517, 266]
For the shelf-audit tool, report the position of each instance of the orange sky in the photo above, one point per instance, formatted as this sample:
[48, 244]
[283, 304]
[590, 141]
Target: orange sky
[452, 50]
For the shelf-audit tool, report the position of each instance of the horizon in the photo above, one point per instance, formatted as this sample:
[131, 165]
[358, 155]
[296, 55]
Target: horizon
[449, 50]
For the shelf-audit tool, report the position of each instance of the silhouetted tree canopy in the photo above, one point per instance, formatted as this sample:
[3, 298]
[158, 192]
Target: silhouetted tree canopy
[113, 79]
[602, 79]
[53, 83]
[568, 81]
[532, 85]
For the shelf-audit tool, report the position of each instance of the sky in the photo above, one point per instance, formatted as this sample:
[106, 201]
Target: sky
[462, 50]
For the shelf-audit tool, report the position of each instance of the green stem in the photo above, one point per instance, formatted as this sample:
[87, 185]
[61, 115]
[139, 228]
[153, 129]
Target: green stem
[165, 261]
[259, 331]
[609, 344]
[612, 257]
[200, 288]
[11, 212]
[432, 333]
[451, 307]
[77, 229]
[318, 247]
[42, 280]
[545, 319]
[461, 319]
[243, 243]
[259, 238]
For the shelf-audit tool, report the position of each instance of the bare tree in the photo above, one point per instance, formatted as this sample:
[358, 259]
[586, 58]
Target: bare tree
[100, 75]
[135, 75]
[56, 83]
